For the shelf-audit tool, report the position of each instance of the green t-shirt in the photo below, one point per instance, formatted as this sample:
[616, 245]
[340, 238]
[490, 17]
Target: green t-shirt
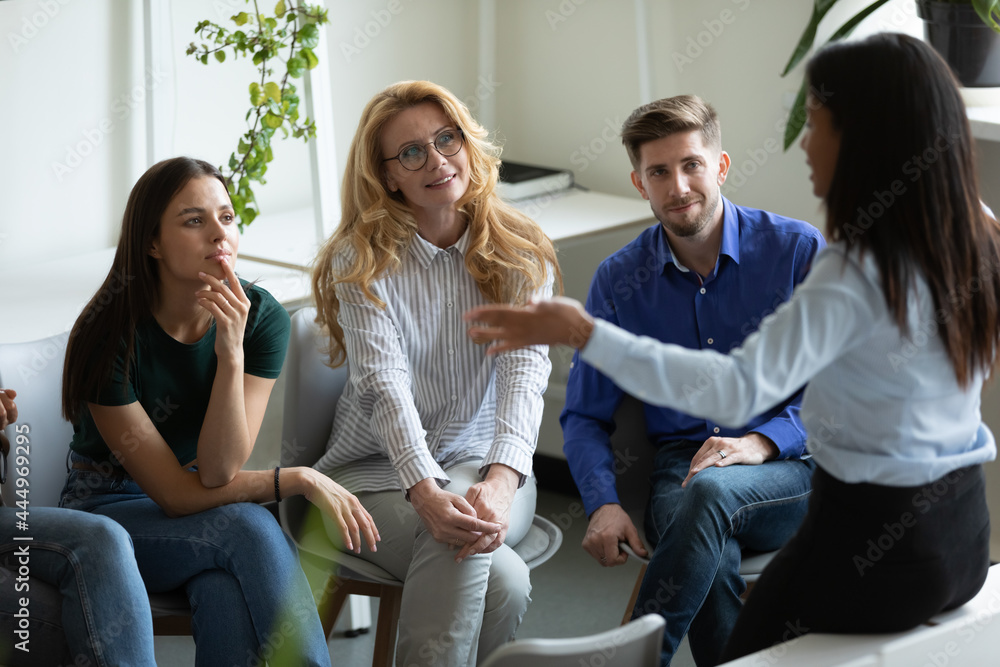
[173, 380]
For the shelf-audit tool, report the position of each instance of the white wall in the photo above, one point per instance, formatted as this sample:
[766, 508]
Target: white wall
[67, 116]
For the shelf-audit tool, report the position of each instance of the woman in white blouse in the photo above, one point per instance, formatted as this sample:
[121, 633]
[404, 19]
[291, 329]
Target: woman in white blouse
[434, 435]
[894, 329]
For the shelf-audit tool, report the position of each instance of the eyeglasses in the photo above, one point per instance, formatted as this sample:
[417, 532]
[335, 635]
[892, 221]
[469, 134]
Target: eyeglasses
[414, 156]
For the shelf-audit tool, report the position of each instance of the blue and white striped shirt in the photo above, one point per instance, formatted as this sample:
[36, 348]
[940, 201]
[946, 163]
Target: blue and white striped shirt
[422, 396]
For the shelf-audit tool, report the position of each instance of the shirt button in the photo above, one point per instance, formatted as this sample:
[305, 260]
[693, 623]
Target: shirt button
[702, 290]
[454, 397]
[715, 430]
[450, 304]
[451, 351]
[711, 340]
[447, 257]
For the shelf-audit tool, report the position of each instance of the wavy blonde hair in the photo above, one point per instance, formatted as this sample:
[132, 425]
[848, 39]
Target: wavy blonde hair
[509, 256]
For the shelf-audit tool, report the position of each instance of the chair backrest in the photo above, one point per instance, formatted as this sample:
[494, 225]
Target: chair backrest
[636, 644]
[34, 369]
[633, 458]
[311, 392]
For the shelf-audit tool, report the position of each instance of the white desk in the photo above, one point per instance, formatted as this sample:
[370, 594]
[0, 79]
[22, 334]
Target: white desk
[965, 637]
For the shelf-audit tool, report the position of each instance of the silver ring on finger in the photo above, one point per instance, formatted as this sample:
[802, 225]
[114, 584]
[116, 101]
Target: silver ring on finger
[722, 453]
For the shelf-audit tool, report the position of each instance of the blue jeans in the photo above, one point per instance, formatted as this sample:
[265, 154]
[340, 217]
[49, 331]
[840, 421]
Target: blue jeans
[693, 579]
[249, 598]
[86, 604]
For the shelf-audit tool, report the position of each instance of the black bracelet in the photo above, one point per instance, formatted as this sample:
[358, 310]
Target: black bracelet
[277, 487]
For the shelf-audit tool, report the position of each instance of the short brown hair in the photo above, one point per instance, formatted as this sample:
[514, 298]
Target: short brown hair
[661, 118]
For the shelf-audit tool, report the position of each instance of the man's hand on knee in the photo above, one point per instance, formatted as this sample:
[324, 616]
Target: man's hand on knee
[609, 525]
[751, 449]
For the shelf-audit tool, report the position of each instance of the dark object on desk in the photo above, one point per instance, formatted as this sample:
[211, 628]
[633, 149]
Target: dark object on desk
[523, 181]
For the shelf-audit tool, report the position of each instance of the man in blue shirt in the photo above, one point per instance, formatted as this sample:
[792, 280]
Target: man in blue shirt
[703, 278]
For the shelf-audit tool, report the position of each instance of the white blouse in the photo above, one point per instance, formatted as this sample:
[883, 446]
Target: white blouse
[879, 407]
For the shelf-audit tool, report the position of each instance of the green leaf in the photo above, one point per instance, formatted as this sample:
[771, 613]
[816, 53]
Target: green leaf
[257, 96]
[268, 154]
[248, 215]
[797, 115]
[273, 91]
[808, 35]
[279, 9]
[988, 11]
[220, 56]
[852, 23]
[259, 57]
[311, 59]
[241, 18]
[204, 59]
[309, 36]
[272, 121]
[296, 66]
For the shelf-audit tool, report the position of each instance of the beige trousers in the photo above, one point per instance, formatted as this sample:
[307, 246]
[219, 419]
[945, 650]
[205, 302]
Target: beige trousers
[451, 613]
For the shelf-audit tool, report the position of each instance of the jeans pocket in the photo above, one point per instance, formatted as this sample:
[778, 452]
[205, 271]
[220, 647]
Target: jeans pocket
[82, 487]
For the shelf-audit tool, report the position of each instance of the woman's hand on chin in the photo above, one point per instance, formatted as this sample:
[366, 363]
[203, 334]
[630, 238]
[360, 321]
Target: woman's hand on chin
[230, 307]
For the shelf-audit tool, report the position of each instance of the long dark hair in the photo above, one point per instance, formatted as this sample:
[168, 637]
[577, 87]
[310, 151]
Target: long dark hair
[106, 327]
[905, 187]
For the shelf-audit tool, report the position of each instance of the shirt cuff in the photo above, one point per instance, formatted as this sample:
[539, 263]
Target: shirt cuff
[418, 468]
[510, 452]
[785, 437]
[595, 494]
[607, 345]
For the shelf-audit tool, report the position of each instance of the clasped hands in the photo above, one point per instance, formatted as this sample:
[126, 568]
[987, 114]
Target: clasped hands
[476, 523]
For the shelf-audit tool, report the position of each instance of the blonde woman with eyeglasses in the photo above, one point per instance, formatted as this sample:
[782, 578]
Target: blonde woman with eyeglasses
[434, 435]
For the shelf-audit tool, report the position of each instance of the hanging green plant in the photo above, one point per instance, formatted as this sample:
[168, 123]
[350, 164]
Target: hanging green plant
[282, 41]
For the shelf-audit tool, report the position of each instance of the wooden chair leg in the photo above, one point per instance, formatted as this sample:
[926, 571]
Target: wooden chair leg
[388, 621]
[333, 599]
[635, 594]
[172, 626]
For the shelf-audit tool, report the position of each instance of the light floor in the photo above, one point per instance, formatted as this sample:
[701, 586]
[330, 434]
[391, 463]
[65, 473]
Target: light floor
[571, 596]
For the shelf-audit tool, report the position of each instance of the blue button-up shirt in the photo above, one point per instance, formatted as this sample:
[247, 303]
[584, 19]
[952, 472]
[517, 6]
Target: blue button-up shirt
[643, 289]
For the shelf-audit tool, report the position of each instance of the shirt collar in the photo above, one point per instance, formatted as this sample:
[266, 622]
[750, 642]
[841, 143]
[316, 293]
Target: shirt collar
[730, 238]
[424, 251]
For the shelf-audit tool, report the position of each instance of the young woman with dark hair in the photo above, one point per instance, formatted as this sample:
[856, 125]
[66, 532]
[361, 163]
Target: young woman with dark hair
[167, 375]
[895, 330]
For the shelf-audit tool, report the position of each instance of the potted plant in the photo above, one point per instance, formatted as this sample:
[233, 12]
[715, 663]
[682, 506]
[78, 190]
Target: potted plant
[965, 32]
